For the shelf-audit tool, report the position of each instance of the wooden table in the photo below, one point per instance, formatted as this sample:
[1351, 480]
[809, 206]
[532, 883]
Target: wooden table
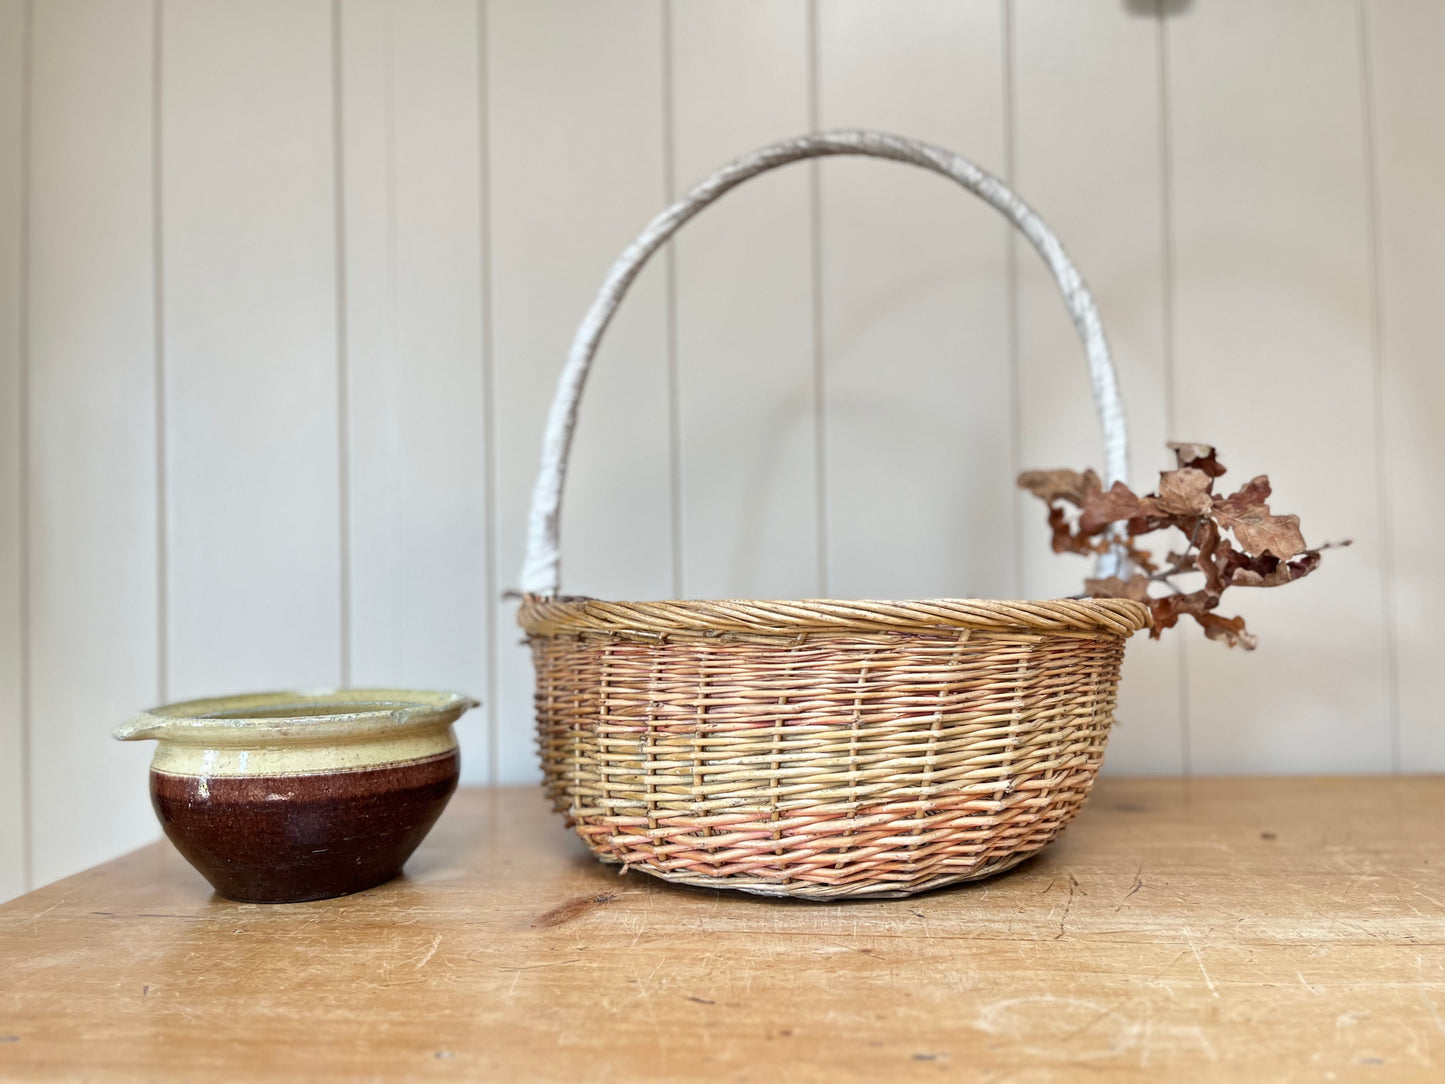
[1263, 929]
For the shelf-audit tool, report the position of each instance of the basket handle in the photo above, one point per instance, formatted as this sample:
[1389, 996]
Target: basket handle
[541, 572]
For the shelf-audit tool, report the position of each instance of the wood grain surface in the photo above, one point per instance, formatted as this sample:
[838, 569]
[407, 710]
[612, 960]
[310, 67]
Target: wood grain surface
[1258, 929]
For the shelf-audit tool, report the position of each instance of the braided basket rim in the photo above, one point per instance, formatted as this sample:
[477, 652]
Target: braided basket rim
[568, 615]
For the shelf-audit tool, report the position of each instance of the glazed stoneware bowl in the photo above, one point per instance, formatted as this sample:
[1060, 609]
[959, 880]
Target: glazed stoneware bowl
[289, 796]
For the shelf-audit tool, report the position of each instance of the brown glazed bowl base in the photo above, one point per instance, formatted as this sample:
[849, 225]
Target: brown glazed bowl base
[291, 838]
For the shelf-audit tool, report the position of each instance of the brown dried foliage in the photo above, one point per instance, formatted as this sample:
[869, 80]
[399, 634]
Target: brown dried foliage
[1267, 550]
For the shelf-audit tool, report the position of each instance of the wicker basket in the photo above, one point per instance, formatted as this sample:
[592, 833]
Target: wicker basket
[822, 749]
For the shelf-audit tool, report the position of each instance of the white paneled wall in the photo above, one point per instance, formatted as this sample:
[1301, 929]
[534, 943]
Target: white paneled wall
[1406, 82]
[418, 480]
[285, 285]
[915, 308]
[250, 338]
[92, 584]
[747, 371]
[1274, 356]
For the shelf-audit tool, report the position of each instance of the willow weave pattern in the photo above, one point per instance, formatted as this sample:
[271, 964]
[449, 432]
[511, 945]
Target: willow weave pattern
[820, 763]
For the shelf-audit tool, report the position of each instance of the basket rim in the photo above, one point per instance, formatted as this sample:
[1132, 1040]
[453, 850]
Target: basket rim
[571, 614]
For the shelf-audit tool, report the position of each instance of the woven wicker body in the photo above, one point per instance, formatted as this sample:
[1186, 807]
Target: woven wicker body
[823, 749]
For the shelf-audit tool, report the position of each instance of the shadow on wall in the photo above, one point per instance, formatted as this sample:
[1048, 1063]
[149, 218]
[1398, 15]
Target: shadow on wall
[1157, 7]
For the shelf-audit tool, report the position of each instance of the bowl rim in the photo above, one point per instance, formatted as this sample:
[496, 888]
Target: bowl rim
[361, 714]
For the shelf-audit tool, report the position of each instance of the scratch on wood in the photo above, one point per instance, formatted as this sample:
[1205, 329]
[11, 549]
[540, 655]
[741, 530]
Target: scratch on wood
[1439, 1024]
[1420, 970]
[1188, 940]
[429, 953]
[1138, 883]
[35, 921]
[573, 909]
[1068, 905]
[538, 967]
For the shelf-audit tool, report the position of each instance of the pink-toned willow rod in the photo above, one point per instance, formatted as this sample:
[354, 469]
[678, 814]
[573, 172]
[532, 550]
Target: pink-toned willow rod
[541, 572]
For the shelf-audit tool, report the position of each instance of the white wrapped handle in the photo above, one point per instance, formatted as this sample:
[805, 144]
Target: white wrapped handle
[541, 572]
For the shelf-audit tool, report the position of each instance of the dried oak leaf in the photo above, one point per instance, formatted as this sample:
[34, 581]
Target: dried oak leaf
[1065, 539]
[1164, 611]
[1248, 517]
[1237, 567]
[1103, 508]
[1255, 491]
[1061, 485]
[1268, 570]
[1155, 520]
[1229, 629]
[1185, 492]
[1198, 456]
[1136, 587]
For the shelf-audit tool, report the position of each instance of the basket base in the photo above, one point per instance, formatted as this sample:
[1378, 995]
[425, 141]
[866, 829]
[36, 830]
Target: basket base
[808, 890]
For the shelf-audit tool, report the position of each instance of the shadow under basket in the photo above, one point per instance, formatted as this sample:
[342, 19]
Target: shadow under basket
[821, 749]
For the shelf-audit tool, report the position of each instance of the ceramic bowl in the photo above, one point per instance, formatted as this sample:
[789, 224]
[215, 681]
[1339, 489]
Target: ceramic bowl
[288, 796]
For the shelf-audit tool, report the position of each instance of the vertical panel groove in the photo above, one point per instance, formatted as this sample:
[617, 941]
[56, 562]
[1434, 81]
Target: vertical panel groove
[1377, 342]
[393, 303]
[27, 845]
[669, 264]
[343, 381]
[1011, 270]
[1166, 234]
[158, 318]
[489, 402]
[815, 257]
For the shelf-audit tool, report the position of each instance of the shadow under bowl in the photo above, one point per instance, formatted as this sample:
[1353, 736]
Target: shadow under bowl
[285, 797]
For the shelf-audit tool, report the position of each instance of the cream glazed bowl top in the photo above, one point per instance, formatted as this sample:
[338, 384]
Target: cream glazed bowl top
[298, 732]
